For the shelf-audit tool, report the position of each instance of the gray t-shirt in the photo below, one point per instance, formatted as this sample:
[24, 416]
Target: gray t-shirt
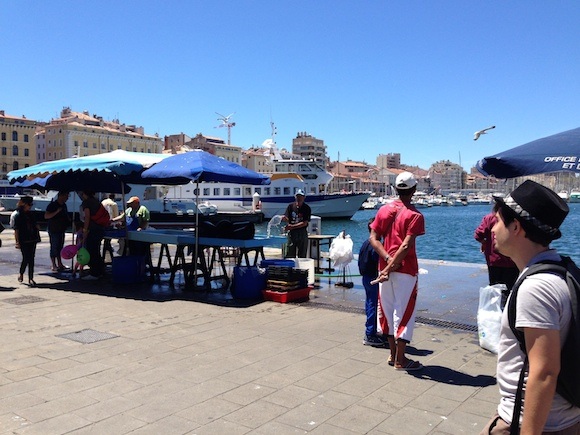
[543, 302]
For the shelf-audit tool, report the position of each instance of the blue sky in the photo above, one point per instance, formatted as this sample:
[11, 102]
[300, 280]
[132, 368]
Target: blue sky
[367, 77]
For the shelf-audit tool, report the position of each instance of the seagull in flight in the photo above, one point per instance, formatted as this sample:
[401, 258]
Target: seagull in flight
[480, 132]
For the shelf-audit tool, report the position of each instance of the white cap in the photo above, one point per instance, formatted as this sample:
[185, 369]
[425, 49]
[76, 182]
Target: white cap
[405, 180]
[299, 192]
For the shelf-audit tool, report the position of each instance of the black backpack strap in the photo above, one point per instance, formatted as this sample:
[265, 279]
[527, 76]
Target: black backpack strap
[515, 425]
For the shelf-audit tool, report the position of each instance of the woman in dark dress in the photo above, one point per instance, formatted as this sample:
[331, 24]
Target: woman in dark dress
[27, 236]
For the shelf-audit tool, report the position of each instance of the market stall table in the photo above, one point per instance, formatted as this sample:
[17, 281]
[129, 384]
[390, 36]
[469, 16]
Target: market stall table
[201, 267]
[315, 241]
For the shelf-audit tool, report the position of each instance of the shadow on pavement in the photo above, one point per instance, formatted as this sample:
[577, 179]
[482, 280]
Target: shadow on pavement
[453, 377]
[146, 291]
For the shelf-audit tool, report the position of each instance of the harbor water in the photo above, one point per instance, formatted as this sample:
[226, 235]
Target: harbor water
[449, 232]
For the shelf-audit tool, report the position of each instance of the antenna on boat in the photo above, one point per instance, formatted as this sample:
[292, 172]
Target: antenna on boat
[226, 123]
[270, 144]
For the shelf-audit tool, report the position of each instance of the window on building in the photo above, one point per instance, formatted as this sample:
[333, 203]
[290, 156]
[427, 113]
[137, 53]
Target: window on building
[15, 150]
[25, 138]
[103, 146]
[4, 167]
[94, 145]
[237, 191]
[26, 152]
[15, 136]
[216, 191]
[4, 151]
[227, 191]
[15, 166]
[85, 144]
[3, 136]
[76, 145]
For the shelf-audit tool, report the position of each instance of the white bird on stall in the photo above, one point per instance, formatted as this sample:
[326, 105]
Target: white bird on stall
[480, 132]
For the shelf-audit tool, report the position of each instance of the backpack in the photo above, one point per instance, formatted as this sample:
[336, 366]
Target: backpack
[101, 217]
[368, 260]
[568, 384]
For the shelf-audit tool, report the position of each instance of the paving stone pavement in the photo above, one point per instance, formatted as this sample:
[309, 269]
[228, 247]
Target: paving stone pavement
[175, 364]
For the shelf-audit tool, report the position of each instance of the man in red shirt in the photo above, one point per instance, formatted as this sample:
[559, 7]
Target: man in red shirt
[398, 224]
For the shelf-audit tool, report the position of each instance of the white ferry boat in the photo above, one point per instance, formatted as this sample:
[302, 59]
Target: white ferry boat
[288, 177]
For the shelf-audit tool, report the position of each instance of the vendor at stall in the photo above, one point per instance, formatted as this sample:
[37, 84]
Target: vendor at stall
[136, 216]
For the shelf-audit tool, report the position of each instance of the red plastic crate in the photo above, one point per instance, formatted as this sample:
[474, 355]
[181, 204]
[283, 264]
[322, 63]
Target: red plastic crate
[289, 296]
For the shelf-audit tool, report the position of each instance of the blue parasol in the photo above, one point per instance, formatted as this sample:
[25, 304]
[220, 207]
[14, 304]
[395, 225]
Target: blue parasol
[198, 165]
[557, 153]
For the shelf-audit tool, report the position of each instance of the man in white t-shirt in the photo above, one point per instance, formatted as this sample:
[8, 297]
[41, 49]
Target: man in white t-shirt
[111, 206]
[527, 221]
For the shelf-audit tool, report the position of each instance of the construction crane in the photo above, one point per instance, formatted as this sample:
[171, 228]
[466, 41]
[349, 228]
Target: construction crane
[226, 122]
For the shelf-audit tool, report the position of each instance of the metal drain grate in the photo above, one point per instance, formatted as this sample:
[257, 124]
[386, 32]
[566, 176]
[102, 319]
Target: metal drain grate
[87, 336]
[21, 300]
[446, 324]
[418, 319]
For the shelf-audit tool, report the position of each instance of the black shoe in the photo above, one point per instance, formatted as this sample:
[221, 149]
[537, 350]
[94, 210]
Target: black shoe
[374, 341]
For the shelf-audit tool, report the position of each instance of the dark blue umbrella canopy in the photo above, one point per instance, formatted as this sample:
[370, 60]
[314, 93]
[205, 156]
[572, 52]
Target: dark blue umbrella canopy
[557, 153]
[77, 180]
[198, 165]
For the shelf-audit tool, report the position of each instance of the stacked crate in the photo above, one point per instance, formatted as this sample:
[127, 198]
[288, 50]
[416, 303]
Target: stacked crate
[285, 278]
[285, 283]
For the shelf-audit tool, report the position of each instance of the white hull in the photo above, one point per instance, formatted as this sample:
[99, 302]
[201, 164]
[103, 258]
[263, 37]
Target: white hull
[574, 197]
[334, 206]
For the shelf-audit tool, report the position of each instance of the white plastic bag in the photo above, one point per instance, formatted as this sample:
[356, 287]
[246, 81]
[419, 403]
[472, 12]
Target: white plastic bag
[489, 316]
[341, 250]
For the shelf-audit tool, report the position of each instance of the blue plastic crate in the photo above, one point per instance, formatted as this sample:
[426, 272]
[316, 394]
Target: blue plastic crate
[277, 262]
[248, 282]
[129, 269]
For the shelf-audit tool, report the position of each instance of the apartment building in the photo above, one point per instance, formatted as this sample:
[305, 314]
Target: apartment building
[80, 134]
[174, 143]
[447, 177]
[389, 161]
[215, 146]
[17, 145]
[308, 147]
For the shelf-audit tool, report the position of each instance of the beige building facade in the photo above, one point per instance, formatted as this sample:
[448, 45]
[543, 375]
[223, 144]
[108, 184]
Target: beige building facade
[17, 145]
[390, 160]
[80, 134]
[215, 146]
